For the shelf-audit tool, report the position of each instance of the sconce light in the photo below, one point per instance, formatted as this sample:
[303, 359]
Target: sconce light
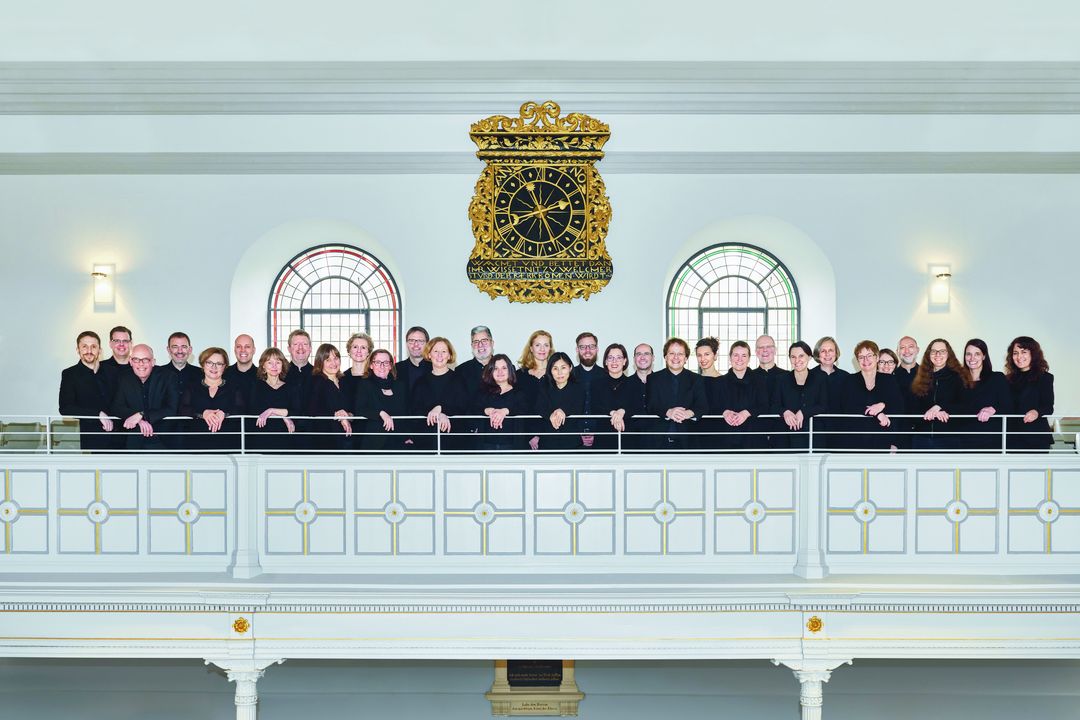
[104, 288]
[938, 295]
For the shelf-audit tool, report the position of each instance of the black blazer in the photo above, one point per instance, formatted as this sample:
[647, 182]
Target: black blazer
[854, 399]
[162, 399]
[410, 373]
[85, 392]
[1031, 394]
[666, 390]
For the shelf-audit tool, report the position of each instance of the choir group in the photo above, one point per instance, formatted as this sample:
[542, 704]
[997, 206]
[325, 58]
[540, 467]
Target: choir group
[545, 400]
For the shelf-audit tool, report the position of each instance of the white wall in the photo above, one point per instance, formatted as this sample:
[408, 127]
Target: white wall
[178, 241]
[882, 689]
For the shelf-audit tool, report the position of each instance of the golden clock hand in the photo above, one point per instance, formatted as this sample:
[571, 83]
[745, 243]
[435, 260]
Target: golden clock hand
[543, 219]
[514, 219]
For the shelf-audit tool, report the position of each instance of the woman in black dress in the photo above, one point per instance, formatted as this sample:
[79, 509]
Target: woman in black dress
[800, 395]
[872, 395]
[740, 396]
[1032, 388]
[532, 369]
[987, 398]
[211, 403]
[500, 400]
[380, 398]
[677, 397]
[827, 353]
[559, 399]
[273, 400]
[326, 397]
[936, 394]
[438, 394]
[611, 396]
[359, 347]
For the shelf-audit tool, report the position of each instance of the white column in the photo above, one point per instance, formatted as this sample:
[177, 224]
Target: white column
[811, 674]
[810, 558]
[246, 559]
[246, 674]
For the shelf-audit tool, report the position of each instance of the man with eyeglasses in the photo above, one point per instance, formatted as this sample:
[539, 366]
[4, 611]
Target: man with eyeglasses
[585, 373]
[414, 367]
[470, 371]
[120, 344]
[86, 389]
[144, 399]
[637, 387]
[769, 373]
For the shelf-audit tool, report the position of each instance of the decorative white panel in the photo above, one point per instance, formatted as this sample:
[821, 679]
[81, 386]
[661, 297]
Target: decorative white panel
[187, 512]
[664, 512]
[957, 511]
[484, 512]
[754, 512]
[305, 512]
[1044, 511]
[24, 510]
[574, 512]
[395, 512]
[866, 511]
[97, 511]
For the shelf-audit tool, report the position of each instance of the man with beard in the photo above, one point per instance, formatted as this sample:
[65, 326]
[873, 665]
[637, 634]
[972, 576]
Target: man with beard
[180, 373]
[144, 399]
[470, 373]
[908, 351]
[241, 374]
[86, 389]
[585, 373]
[120, 344]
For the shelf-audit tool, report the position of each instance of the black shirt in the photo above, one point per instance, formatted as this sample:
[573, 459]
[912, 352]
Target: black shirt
[181, 378]
[471, 372]
[243, 381]
[411, 373]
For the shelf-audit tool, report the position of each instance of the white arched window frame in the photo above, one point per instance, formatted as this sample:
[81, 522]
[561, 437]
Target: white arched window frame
[333, 291]
[734, 291]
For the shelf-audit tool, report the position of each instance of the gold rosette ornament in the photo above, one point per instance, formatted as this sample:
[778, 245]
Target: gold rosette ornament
[540, 213]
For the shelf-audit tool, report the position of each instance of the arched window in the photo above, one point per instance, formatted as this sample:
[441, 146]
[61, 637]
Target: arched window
[333, 291]
[734, 292]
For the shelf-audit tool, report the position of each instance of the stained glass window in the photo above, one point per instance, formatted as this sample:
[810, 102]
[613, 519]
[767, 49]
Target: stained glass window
[734, 292]
[333, 291]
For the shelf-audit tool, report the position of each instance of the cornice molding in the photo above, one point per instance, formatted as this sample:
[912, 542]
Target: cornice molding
[465, 163]
[477, 89]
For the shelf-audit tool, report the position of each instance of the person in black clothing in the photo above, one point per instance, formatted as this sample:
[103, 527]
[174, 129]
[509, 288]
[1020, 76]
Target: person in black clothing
[740, 397]
[585, 374]
[936, 393]
[705, 351]
[887, 362]
[612, 396]
[987, 397]
[640, 428]
[871, 394]
[120, 344]
[438, 395]
[144, 399]
[326, 397]
[771, 373]
[300, 378]
[380, 398]
[86, 389]
[800, 395]
[416, 365]
[531, 372]
[360, 346]
[709, 427]
[561, 397]
[273, 400]
[242, 373]
[827, 353]
[907, 351]
[470, 373]
[1032, 388]
[676, 396]
[211, 405]
[181, 374]
[500, 400]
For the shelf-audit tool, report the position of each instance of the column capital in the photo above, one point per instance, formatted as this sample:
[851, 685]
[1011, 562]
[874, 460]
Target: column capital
[249, 669]
[806, 670]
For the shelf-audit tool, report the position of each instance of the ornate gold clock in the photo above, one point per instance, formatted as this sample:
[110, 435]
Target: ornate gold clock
[540, 213]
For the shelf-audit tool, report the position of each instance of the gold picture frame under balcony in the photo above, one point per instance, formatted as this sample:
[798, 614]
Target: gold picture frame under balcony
[534, 688]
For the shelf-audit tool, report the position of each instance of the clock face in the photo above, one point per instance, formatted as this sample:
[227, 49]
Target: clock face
[540, 212]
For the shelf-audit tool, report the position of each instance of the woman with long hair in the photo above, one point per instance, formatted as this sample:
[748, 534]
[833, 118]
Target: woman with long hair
[987, 397]
[326, 397]
[382, 397]
[936, 392]
[500, 400]
[1032, 388]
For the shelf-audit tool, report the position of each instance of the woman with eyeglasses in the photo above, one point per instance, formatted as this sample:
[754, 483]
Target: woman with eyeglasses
[326, 398]
[887, 362]
[800, 395]
[936, 392]
[612, 395]
[871, 396]
[987, 397]
[560, 398]
[381, 398]
[1032, 388]
[677, 397]
[210, 403]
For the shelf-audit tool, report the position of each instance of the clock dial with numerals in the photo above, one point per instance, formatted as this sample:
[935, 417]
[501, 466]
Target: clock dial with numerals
[540, 213]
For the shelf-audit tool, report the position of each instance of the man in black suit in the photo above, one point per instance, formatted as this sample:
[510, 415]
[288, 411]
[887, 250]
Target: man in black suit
[585, 372]
[120, 344]
[144, 399]
[86, 389]
[414, 366]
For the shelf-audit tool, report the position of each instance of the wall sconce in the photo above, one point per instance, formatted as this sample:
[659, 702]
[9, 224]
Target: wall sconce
[938, 295]
[104, 288]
